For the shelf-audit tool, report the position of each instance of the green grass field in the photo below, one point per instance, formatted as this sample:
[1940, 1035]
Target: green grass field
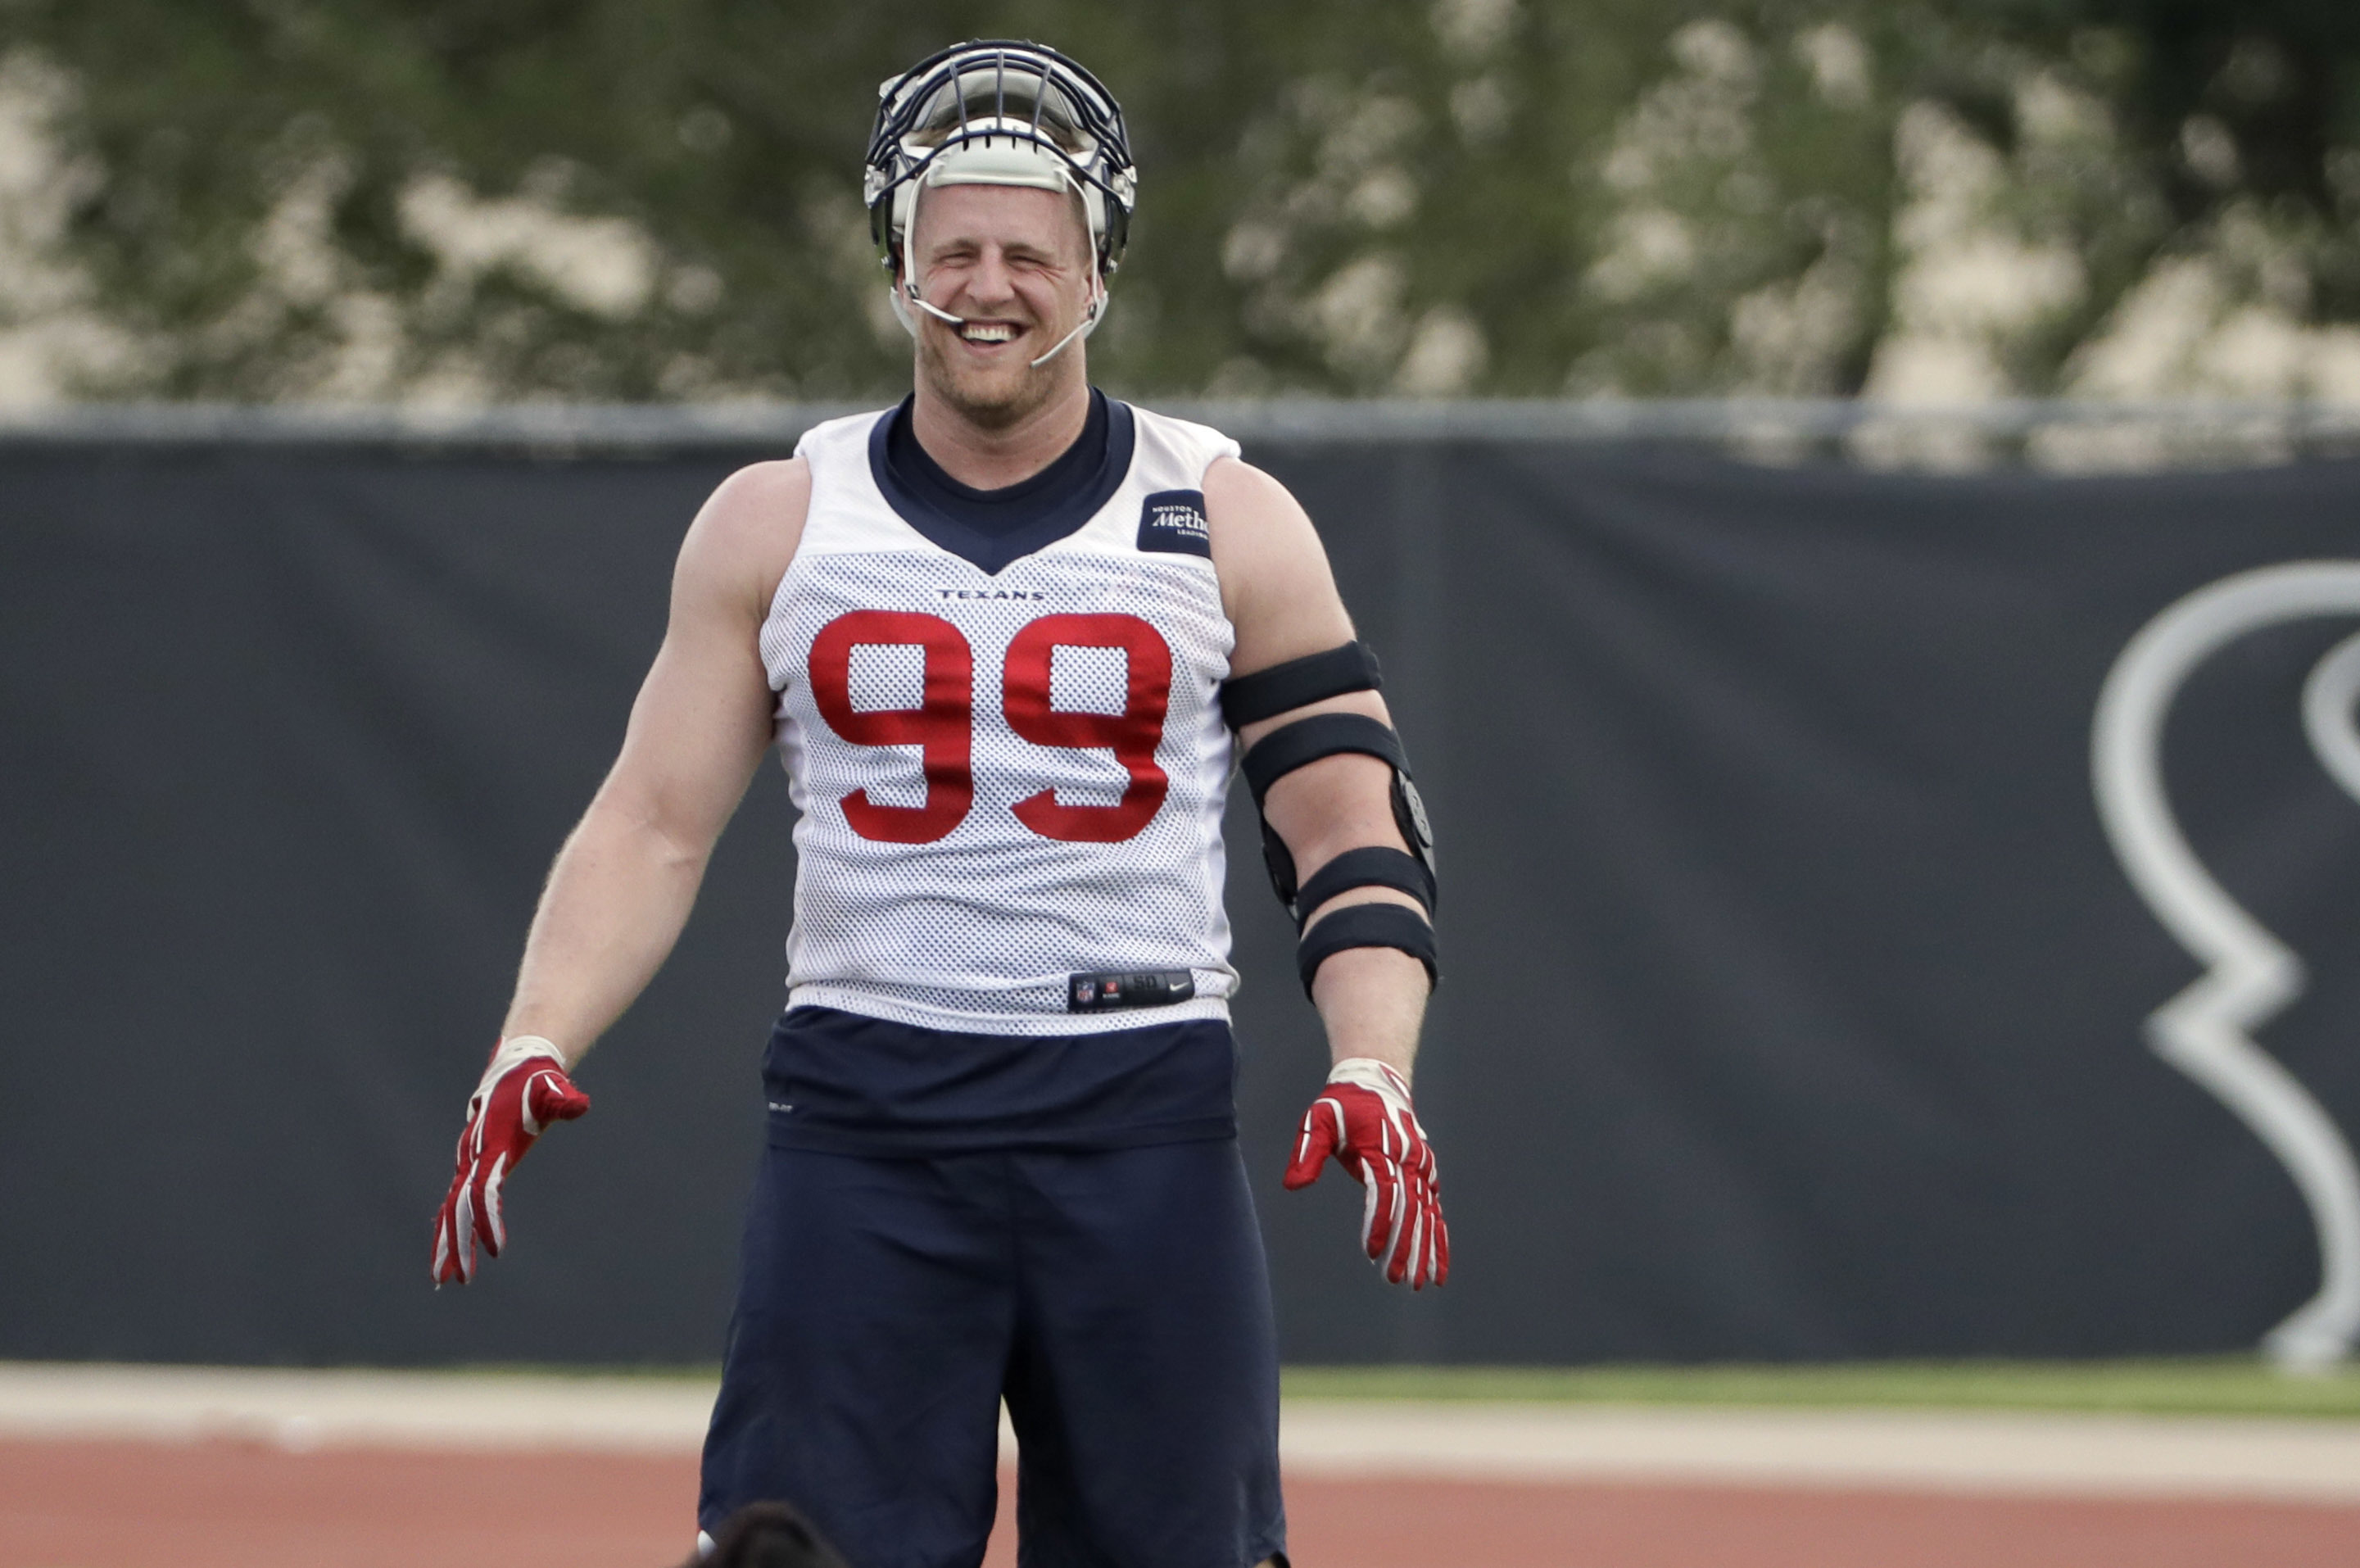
[2226, 1386]
[2206, 1386]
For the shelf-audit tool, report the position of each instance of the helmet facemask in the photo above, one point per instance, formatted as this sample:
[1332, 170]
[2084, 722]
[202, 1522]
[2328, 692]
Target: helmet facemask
[999, 114]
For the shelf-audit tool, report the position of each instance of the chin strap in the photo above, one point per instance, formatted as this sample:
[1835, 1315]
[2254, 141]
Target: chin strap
[1089, 323]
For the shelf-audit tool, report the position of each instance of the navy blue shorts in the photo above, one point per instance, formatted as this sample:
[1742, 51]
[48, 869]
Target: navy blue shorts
[1116, 1298]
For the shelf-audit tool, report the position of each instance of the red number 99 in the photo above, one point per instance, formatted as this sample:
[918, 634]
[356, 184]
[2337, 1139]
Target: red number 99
[942, 725]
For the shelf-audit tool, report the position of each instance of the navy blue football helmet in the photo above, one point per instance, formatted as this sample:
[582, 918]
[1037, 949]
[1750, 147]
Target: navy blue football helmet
[998, 111]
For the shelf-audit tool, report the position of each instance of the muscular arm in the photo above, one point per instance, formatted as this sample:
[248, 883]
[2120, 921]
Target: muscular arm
[1282, 599]
[623, 884]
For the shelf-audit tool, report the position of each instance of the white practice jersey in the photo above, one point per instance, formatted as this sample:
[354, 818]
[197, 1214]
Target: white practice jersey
[1008, 781]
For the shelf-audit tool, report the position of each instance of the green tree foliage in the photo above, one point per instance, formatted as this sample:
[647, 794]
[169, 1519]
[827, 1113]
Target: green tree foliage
[2255, 102]
[658, 199]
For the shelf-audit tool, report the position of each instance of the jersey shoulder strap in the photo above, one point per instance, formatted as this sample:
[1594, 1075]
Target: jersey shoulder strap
[831, 440]
[1159, 510]
[847, 510]
[1177, 449]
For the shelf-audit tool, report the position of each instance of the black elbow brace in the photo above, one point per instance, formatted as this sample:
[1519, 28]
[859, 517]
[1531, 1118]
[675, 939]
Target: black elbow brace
[1270, 692]
[1367, 926]
[1307, 741]
[1266, 694]
[1374, 865]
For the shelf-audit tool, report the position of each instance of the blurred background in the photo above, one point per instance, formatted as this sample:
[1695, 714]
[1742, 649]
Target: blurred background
[1857, 505]
[656, 200]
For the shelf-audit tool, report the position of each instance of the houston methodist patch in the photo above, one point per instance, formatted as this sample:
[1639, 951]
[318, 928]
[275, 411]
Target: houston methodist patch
[1174, 522]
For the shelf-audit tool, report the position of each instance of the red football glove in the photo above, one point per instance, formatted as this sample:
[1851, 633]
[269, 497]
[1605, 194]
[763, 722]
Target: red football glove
[524, 1090]
[1366, 1120]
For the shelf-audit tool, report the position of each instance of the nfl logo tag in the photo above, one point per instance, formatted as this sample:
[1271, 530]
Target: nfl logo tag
[1082, 990]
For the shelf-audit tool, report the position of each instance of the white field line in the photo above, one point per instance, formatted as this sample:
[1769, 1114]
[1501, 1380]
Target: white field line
[302, 1410]
[2039, 1453]
[1985, 1451]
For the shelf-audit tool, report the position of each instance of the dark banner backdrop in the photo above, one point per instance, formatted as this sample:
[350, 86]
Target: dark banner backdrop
[1794, 997]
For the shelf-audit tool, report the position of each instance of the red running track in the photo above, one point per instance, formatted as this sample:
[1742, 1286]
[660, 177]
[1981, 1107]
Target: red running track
[223, 1505]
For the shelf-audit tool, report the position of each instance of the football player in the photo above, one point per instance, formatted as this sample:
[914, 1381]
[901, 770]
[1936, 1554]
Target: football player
[1008, 638]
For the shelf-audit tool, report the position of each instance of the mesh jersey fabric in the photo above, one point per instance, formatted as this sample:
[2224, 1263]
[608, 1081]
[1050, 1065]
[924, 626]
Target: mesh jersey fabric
[953, 872]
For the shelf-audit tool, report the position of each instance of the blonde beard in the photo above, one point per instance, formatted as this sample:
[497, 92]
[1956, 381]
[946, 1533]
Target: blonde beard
[996, 405]
[1033, 388]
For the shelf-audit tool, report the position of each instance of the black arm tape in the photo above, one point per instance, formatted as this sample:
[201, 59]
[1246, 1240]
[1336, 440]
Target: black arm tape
[1373, 866]
[1266, 694]
[1307, 741]
[1367, 926]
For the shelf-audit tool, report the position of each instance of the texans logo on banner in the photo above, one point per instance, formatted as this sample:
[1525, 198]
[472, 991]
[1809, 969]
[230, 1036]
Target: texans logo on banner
[1173, 522]
[2207, 1031]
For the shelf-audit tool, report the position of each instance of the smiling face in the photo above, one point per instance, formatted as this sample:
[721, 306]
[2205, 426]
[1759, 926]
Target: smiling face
[1015, 263]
